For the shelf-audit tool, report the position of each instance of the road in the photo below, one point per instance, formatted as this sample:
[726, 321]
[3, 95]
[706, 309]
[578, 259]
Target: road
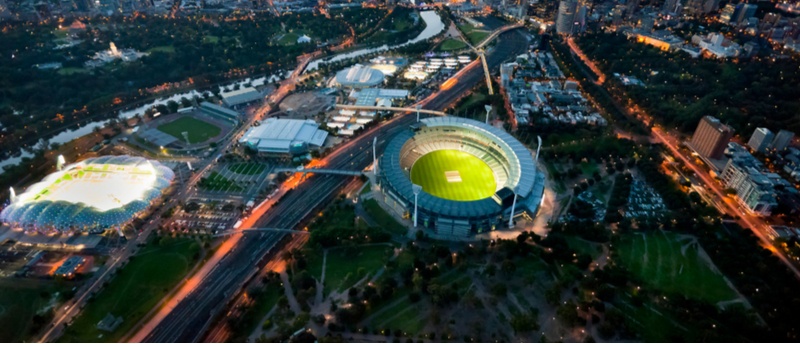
[722, 202]
[189, 317]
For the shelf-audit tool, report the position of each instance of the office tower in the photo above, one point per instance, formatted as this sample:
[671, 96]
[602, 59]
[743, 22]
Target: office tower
[711, 138]
[782, 140]
[761, 140]
[565, 19]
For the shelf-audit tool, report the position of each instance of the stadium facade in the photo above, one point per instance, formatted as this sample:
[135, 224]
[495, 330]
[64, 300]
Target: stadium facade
[512, 164]
[92, 195]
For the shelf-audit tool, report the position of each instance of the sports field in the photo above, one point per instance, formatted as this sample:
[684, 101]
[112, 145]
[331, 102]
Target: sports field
[198, 131]
[135, 290]
[674, 264]
[454, 175]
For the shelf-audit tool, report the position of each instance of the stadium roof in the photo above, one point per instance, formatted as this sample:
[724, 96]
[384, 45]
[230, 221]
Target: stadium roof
[240, 96]
[158, 137]
[97, 193]
[522, 170]
[370, 96]
[359, 76]
[279, 135]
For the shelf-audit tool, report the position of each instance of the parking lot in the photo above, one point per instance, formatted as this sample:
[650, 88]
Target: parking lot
[205, 217]
[236, 181]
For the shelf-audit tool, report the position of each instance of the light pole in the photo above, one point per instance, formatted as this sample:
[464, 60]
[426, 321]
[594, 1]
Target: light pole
[375, 156]
[418, 106]
[417, 189]
[60, 161]
[13, 194]
[513, 208]
[488, 110]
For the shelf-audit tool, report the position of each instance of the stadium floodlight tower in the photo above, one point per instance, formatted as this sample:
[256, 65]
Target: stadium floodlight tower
[417, 189]
[488, 110]
[12, 194]
[418, 106]
[60, 161]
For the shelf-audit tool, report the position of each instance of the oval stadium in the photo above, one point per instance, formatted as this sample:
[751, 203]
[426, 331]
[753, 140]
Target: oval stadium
[92, 195]
[467, 171]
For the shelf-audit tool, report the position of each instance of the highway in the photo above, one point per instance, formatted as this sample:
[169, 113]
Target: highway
[189, 319]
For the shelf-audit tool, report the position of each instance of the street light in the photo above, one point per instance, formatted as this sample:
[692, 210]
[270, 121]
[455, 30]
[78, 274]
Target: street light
[417, 189]
[418, 106]
[488, 110]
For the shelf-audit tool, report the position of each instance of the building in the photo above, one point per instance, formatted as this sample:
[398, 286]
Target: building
[711, 138]
[782, 140]
[754, 188]
[660, 39]
[284, 136]
[70, 266]
[372, 96]
[241, 97]
[744, 12]
[726, 14]
[672, 6]
[303, 39]
[761, 140]
[717, 45]
[359, 76]
[519, 185]
[565, 19]
[219, 112]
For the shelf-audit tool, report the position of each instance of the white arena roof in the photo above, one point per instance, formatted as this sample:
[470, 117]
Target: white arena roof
[359, 76]
[281, 135]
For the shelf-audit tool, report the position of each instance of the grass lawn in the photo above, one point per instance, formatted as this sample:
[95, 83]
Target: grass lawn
[198, 131]
[454, 175]
[366, 188]
[588, 168]
[289, 39]
[655, 325]
[673, 264]
[72, 70]
[383, 219]
[347, 266]
[162, 49]
[403, 315]
[210, 39]
[20, 300]
[450, 44]
[135, 290]
[583, 246]
[475, 100]
[216, 182]
[248, 168]
[474, 35]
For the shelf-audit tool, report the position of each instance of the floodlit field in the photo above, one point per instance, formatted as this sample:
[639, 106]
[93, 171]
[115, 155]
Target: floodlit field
[104, 187]
[454, 175]
[674, 264]
[198, 131]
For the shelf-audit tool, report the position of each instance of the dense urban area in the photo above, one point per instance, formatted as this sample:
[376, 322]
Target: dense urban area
[399, 171]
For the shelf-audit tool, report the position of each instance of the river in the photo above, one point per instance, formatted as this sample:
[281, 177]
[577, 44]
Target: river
[433, 26]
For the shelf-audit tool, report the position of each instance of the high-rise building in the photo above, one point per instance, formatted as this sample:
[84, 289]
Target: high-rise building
[565, 19]
[761, 140]
[710, 6]
[726, 14]
[744, 11]
[782, 140]
[711, 138]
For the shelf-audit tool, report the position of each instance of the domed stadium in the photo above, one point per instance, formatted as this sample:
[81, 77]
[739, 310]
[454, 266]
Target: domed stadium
[468, 173]
[91, 195]
[359, 76]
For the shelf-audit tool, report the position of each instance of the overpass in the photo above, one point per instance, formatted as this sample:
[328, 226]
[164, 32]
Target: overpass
[389, 108]
[255, 230]
[496, 33]
[321, 171]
